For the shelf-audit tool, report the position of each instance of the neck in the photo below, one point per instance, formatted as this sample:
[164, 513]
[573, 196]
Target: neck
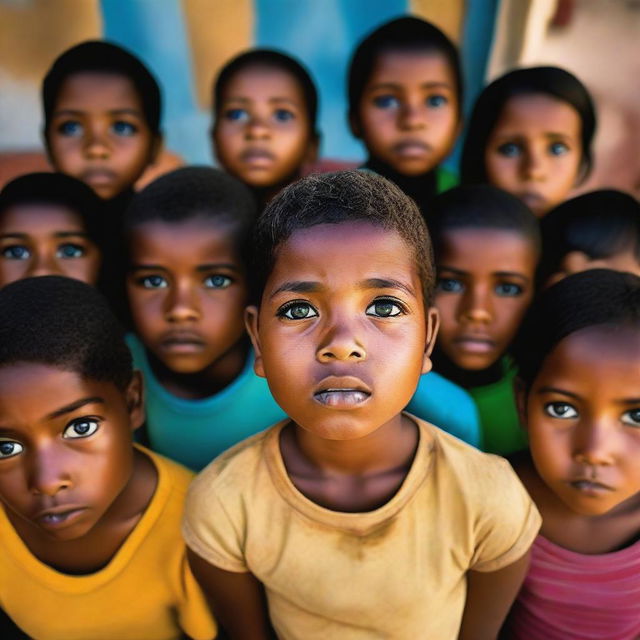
[263, 195]
[207, 382]
[466, 378]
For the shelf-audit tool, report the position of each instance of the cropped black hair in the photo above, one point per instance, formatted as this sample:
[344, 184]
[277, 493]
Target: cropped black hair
[272, 59]
[599, 224]
[63, 323]
[598, 297]
[481, 206]
[195, 192]
[334, 198]
[55, 189]
[488, 108]
[406, 34]
[97, 56]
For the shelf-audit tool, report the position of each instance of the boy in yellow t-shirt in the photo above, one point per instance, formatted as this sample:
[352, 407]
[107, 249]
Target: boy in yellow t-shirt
[90, 524]
[355, 519]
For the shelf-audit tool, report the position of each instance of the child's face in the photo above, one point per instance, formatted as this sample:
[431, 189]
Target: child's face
[408, 115]
[187, 292]
[42, 240]
[262, 134]
[577, 261]
[485, 284]
[343, 336]
[583, 419]
[65, 447]
[98, 132]
[534, 151]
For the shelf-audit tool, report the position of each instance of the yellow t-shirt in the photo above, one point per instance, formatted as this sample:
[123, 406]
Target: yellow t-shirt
[395, 572]
[146, 592]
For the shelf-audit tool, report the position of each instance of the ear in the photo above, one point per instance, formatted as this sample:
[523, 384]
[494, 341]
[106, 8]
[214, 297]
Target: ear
[135, 400]
[520, 392]
[251, 323]
[433, 324]
[575, 262]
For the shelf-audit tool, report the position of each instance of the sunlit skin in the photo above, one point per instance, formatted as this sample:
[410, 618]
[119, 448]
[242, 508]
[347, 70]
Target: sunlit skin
[409, 116]
[342, 338]
[187, 292]
[534, 150]
[582, 414]
[71, 483]
[98, 133]
[262, 134]
[485, 284]
[41, 240]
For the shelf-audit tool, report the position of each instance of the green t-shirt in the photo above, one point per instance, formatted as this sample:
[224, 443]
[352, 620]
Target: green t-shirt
[499, 421]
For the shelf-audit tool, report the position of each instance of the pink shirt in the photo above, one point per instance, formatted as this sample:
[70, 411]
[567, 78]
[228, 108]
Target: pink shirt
[574, 596]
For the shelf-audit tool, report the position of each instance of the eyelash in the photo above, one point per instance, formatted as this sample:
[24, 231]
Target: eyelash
[288, 306]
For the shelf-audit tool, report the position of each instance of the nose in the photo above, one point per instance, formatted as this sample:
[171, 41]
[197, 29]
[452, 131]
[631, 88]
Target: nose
[340, 342]
[97, 143]
[49, 472]
[476, 306]
[44, 264]
[257, 128]
[593, 444]
[534, 165]
[182, 304]
[412, 115]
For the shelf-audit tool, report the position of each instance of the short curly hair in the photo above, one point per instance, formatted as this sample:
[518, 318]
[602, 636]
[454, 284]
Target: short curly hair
[334, 198]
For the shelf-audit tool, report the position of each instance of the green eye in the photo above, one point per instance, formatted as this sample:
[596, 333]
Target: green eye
[297, 311]
[384, 309]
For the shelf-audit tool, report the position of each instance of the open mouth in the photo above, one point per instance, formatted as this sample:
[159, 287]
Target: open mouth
[342, 392]
[55, 518]
[590, 487]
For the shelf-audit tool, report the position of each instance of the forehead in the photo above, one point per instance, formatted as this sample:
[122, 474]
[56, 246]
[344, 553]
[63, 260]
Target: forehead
[539, 112]
[412, 67]
[486, 250]
[98, 90]
[24, 218]
[263, 82]
[184, 242]
[343, 254]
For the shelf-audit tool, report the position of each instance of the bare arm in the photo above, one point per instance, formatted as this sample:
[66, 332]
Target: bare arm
[237, 600]
[489, 598]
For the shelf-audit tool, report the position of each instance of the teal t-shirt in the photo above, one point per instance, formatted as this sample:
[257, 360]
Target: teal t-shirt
[499, 421]
[448, 406]
[194, 432]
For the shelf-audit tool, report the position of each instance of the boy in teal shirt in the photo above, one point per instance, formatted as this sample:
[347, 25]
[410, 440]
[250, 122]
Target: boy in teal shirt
[187, 291]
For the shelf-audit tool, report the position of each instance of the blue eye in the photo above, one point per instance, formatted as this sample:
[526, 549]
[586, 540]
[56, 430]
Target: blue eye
[385, 308]
[560, 410]
[450, 285]
[297, 311]
[70, 128]
[386, 102]
[283, 115]
[508, 289]
[217, 281]
[153, 282]
[122, 128]
[81, 428]
[558, 148]
[437, 101]
[70, 251]
[16, 252]
[509, 149]
[236, 114]
[9, 448]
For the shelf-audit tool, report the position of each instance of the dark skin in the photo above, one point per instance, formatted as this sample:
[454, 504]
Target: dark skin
[343, 339]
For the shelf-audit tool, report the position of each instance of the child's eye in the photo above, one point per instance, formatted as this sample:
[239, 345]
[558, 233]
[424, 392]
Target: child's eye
[558, 148]
[508, 289]
[236, 114]
[509, 149]
[449, 285]
[385, 308]
[437, 101]
[16, 252]
[123, 128]
[9, 448]
[386, 102]
[71, 128]
[217, 282]
[631, 417]
[153, 282]
[69, 250]
[81, 428]
[560, 410]
[297, 311]
[283, 115]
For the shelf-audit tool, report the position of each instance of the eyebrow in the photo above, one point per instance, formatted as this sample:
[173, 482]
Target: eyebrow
[271, 100]
[562, 392]
[298, 286]
[307, 286]
[501, 274]
[386, 283]
[73, 406]
[113, 112]
[424, 85]
[199, 268]
[57, 234]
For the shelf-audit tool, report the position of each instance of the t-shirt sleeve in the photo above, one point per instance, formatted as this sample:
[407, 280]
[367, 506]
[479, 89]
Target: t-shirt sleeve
[194, 616]
[213, 525]
[507, 520]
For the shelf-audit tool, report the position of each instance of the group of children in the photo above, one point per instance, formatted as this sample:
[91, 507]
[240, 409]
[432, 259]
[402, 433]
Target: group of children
[296, 339]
